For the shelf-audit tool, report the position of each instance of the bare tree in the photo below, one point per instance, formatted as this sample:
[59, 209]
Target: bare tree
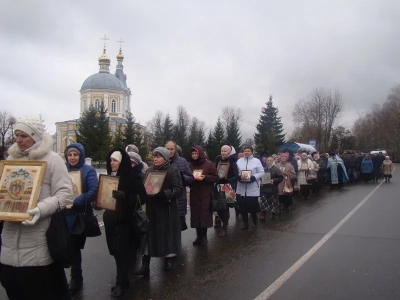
[7, 122]
[317, 114]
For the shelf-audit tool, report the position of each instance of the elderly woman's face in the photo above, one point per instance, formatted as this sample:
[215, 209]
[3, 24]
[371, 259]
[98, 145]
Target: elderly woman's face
[304, 156]
[158, 160]
[114, 164]
[23, 140]
[270, 161]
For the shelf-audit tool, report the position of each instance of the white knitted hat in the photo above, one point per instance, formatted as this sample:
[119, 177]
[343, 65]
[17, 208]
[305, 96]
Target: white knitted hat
[31, 126]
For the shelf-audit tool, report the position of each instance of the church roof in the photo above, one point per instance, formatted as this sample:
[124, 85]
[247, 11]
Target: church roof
[103, 81]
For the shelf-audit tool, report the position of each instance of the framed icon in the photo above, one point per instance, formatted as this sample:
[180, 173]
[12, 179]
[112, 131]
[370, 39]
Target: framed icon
[223, 169]
[76, 181]
[245, 175]
[20, 183]
[197, 172]
[154, 181]
[266, 179]
[107, 184]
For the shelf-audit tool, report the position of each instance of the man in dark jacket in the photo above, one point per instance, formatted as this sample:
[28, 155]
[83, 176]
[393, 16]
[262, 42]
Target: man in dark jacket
[187, 178]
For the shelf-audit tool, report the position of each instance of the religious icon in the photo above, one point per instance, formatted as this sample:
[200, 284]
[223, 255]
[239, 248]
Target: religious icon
[197, 173]
[223, 169]
[76, 181]
[20, 183]
[245, 175]
[154, 181]
[266, 179]
[107, 184]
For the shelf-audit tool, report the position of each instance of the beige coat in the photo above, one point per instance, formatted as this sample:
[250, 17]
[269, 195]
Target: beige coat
[387, 167]
[24, 245]
[288, 168]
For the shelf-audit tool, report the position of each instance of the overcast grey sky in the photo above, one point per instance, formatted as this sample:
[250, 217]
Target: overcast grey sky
[202, 54]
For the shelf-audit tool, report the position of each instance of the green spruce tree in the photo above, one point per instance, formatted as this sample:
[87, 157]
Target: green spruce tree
[118, 138]
[168, 129]
[210, 146]
[129, 132]
[181, 126]
[94, 133]
[269, 135]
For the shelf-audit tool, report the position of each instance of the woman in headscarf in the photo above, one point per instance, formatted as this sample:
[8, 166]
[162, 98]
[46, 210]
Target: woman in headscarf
[320, 173]
[248, 190]
[336, 171]
[228, 155]
[306, 167]
[289, 174]
[201, 216]
[387, 169]
[270, 189]
[120, 235]
[164, 235]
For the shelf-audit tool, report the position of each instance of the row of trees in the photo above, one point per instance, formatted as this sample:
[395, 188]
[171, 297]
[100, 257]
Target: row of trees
[379, 128]
[7, 122]
[94, 133]
[188, 131]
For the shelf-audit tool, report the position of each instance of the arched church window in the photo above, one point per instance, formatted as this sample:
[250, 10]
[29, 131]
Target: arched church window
[84, 104]
[113, 106]
[97, 104]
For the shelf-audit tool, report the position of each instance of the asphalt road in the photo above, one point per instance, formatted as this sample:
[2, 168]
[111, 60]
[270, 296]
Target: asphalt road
[358, 260]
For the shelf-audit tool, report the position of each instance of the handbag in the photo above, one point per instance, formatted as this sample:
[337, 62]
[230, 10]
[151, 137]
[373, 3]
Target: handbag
[230, 194]
[59, 239]
[141, 221]
[218, 202]
[288, 187]
[85, 224]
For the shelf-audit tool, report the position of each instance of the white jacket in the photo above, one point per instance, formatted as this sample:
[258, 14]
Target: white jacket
[26, 246]
[250, 189]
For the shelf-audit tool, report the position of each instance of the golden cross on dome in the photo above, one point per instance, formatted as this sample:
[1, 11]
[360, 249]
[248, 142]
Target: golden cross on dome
[120, 43]
[105, 38]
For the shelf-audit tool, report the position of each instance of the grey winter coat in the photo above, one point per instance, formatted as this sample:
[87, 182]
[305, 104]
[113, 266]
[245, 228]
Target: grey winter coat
[187, 178]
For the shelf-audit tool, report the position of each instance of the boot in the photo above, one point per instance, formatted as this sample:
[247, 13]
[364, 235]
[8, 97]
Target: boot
[203, 239]
[197, 242]
[75, 285]
[223, 231]
[168, 264]
[117, 291]
[245, 217]
[217, 222]
[145, 268]
[255, 219]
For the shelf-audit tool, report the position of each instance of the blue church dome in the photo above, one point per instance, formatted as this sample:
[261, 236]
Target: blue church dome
[103, 80]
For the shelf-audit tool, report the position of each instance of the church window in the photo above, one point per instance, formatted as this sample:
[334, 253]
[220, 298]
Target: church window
[97, 104]
[113, 106]
[84, 104]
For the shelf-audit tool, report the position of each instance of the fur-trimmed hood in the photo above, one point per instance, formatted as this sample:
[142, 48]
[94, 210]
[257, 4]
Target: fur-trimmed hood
[37, 151]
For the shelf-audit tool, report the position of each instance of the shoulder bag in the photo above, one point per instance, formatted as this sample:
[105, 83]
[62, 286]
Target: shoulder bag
[85, 224]
[59, 239]
[140, 221]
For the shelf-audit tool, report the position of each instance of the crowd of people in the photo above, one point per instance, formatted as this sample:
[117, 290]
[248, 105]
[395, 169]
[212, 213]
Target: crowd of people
[253, 187]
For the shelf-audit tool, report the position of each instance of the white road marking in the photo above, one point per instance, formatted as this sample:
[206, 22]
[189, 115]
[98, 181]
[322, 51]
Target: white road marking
[269, 291]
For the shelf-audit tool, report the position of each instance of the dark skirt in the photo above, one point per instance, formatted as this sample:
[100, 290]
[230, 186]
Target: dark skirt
[42, 282]
[249, 204]
[286, 200]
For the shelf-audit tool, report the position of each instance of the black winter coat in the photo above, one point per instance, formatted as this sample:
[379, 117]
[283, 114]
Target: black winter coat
[233, 172]
[120, 234]
[164, 236]
[187, 178]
